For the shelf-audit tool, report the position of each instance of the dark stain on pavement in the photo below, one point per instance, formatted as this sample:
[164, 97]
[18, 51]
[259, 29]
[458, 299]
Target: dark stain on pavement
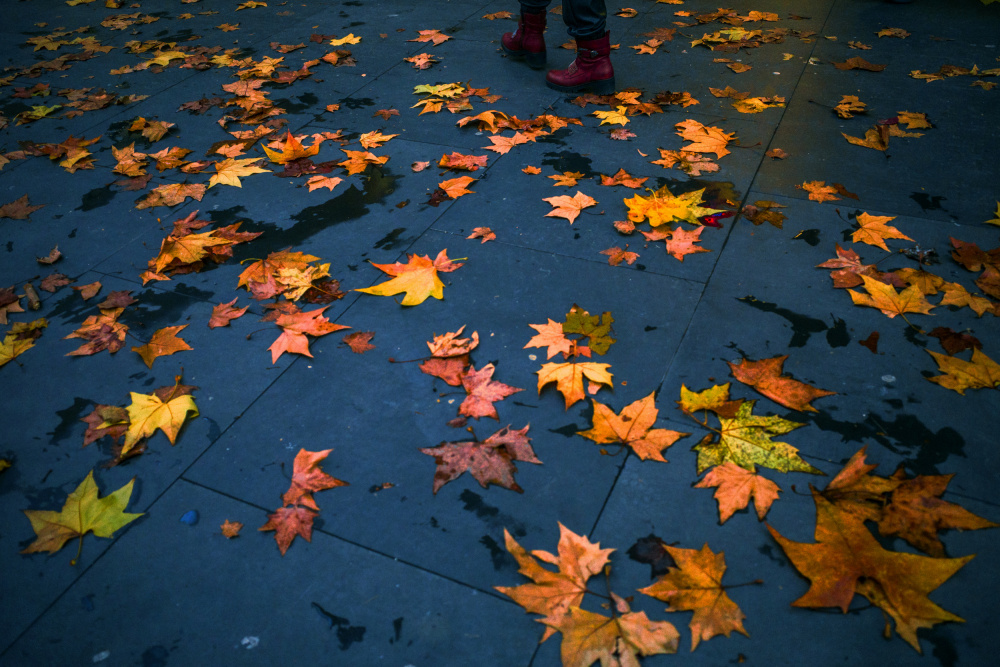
[569, 161]
[96, 198]
[491, 516]
[803, 326]
[501, 559]
[392, 240]
[928, 202]
[347, 634]
[69, 418]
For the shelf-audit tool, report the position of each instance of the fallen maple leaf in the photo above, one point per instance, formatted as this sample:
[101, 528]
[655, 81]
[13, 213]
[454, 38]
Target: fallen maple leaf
[959, 374]
[172, 194]
[458, 162]
[995, 220]
[54, 256]
[20, 339]
[417, 278]
[819, 191]
[482, 391]
[954, 342]
[632, 428]
[552, 337]
[434, 36]
[714, 399]
[359, 341]
[704, 139]
[82, 513]
[622, 177]
[224, 313]
[490, 461]
[885, 298]
[163, 343]
[308, 478]
[568, 207]
[745, 439]
[616, 117]
[421, 60]
[569, 378]
[456, 187]
[349, 39]
[765, 376]
[846, 559]
[317, 182]
[228, 171]
[295, 326]
[484, 233]
[588, 637]
[231, 529]
[89, 290]
[618, 255]
[290, 149]
[148, 412]
[848, 106]
[552, 594]
[858, 62]
[662, 206]
[102, 332]
[370, 140]
[695, 584]
[289, 523]
[734, 488]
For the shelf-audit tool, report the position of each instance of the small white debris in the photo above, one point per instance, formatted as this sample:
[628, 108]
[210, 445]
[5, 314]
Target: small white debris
[250, 642]
[888, 379]
[102, 656]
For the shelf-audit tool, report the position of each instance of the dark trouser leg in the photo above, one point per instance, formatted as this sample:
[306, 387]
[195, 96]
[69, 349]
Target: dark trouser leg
[534, 6]
[585, 19]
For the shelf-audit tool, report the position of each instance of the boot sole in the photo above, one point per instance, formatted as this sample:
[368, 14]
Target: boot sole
[603, 87]
[534, 60]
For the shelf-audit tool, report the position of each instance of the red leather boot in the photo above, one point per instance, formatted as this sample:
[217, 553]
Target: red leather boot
[591, 70]
[529, 41]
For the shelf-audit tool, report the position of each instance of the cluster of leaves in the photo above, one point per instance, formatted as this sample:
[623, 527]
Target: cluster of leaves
[693, 582]
[298, 509]
[184, 251]
[591, 334]
[489, 461]
[20, 338]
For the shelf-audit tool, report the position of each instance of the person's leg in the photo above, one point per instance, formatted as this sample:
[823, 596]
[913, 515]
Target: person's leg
[586, 22]
[528, 41]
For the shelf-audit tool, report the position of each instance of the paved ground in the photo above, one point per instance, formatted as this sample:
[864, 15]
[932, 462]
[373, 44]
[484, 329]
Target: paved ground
[395, 574]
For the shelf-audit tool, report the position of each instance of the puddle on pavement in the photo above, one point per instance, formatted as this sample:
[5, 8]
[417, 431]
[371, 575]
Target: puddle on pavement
[491, 516]
[157, 308]
[347, 634]
[569, 161]
[923, 450]
[69, 419]
[306, 101]
[357, 102]
[928, 202]
[803, 326]
[393, 240]
[501, 559]
[96, 198]
[810, 236]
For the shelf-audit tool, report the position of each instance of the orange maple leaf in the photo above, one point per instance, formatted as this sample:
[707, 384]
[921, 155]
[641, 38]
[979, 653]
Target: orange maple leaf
[456, 187]
[551, 336]
[295, 326]
[102, 332]
[308, 478]
[552, 594]
[358, 161]
[885, 298]
[421, 60]
[449, 356]
[484, 233]
[172, 194]
[490, 461]
[482, 391]
[622, 177]
[289, 523]
[567, 178]
[819, 191]
[317, 182]
[568, 207]
[569, 378]
[734, 486]
[418, 278]
[434, 36]
[163, 343]
[360, 341]
[370, 140]
[502, 145]
[231, 529]
[618, 255]
[765, 376]
[224, 313]
[873, 230]
[846, 559]
[632, 428]
[704, 139]
[588, 637]
[695, 584]
[459, 162]
[290, 149]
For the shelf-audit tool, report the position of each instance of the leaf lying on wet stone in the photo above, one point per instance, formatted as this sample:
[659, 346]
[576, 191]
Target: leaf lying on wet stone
[766, 377]
[490, 461]
[418, 278]
[632, 428]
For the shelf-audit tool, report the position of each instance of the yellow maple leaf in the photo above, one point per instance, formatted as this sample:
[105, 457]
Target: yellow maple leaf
[616, 117]
[996, 220]
[350, 39]
[228, 171]
[873, 230]
[569, 377]
[589, 637]
[959, 374]
[885, 298]
[418, 278]
[147, 413]
[662, 207]
[82, 513]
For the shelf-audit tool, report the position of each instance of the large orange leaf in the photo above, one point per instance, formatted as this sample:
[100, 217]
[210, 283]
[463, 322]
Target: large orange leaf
[662, 206]
[290, 149]
[589, 637]
[164, 342]
[704, 139]
[765, 376]
[450, 356]
[490, 461]
[568, 207]
[892, 303]
[550, 336]
[553, 593]
[82, 513]
[846, 559]
[632, 428]
[418, 278]
[228, 171]
[734, 486]
[289, 523]
[102, 332]
[224, 313]
[295, 326]
[695, 584]
[873, 230]
[482, 391]
[569, 378]
[308, 478]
